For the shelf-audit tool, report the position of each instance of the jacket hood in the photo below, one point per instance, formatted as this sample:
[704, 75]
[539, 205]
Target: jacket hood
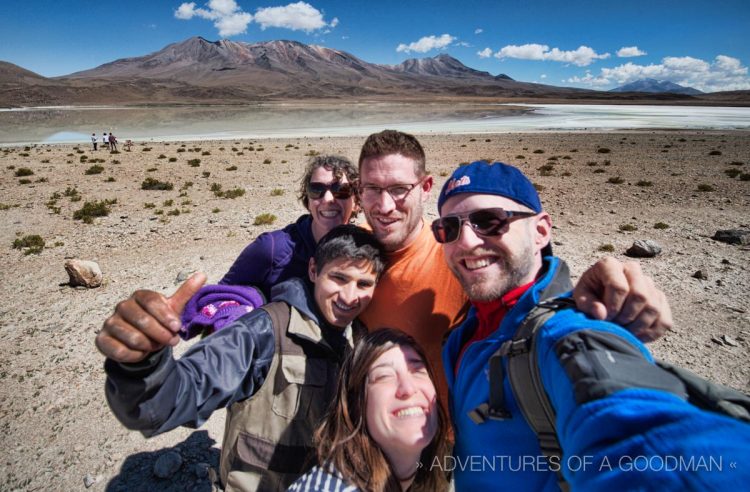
[296, 292]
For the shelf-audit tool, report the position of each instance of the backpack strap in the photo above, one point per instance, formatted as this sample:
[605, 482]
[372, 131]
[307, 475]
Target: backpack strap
[525, 379]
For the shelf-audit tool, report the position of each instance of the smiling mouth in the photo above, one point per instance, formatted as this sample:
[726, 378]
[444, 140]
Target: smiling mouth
[329, 214]
[344, 308]
[409, 412]
[477, 263]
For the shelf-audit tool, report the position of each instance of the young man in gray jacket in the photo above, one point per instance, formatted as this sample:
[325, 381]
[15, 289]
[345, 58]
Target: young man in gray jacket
[274, 369]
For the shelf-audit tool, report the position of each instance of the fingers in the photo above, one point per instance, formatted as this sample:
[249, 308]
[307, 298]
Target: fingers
[120, 342]
[602, 289]
[620, 292]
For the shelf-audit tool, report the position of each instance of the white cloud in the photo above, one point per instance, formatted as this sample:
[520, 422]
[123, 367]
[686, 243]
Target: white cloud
[463, 44]
[723, 74]
[426, 44]
[479, 30]
[228, 17]
[543, 76]
[589, 80]
[630, 51]
[298, 16]
[230, 20]
[581, 57]
[485, 53]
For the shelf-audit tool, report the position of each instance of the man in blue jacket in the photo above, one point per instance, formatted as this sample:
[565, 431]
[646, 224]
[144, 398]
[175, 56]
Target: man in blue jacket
[620, 425]
[274, 369]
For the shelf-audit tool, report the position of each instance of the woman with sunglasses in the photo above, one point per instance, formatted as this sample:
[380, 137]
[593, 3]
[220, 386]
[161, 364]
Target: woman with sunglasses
[385, 430]
[327, 192]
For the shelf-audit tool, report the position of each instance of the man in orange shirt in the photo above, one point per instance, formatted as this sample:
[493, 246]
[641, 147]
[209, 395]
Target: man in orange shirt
[418, 293]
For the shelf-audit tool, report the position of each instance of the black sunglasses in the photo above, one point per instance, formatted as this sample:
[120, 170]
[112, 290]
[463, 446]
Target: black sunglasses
[340, 191]
[485, 222]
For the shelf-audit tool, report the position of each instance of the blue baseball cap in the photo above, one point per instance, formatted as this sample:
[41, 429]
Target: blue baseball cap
[491, 179]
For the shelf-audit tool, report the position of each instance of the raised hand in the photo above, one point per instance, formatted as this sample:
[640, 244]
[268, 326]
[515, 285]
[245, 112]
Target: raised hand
[146, 322]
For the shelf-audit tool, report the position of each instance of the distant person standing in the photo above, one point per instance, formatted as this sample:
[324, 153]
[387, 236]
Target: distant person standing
[105, 140]
[112, 141]
[93, 140]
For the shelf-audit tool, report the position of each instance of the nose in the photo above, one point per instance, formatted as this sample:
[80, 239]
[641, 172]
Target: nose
[385, 202]
[406, 386]
[348, 293]
[467, 238]
[327, 196]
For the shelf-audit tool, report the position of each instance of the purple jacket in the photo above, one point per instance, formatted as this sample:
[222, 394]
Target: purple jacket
[274, 257]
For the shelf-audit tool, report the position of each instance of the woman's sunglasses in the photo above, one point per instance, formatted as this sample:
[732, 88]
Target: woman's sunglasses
[340, 191]
[485, 222]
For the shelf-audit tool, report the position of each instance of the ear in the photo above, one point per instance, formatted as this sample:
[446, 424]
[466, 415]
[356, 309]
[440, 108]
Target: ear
[426, 187]
[312, 270]
[543, 228]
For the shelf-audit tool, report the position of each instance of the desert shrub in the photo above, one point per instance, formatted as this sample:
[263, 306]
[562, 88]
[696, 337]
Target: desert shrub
[197, 149]
[704, 187]
[566, 173]
[615, 180]
[115, 161]
[149, 205]
[194, 162]
[736, 163]
[603, 150]
[235, 149]
[206, 174]
[91, 210]
[33, 244]
[472, 140]
[628, 228]
[232, 168]
[233, 193]
[83, 158]
[538, 187]
[264, 219]
[715, 152]
[45, 161]
[519, 156]
[539, 151]
[23, 171]
[95, 169]
[168, 203]
[732, 173]
[745, 177]
[180, 150]
[277, 192]
[110, 180]
[661, 225]
[215, 210]
[546, 170]
[146, 149]
[644, 183]
[174, 212]
[173, 159]
[24, 154]
[24, 181]
[606, 248]
[186, 185]
[162, 156]
[592, 163]
[443, 173]
[154, 184]
[266, 161]
[206, 153]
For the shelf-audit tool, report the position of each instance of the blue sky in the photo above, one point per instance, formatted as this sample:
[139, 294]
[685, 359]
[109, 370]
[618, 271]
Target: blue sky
[591, 44]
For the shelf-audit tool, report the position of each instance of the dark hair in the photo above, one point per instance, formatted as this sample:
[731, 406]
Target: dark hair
[394, 142]
[344, 442]
[352, 242]
[339, 166]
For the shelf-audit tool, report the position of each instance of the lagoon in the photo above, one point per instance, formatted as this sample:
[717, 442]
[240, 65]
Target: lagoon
[75, 124]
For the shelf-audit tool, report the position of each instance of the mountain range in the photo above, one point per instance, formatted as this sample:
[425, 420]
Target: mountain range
[197, 70]
[658, 86]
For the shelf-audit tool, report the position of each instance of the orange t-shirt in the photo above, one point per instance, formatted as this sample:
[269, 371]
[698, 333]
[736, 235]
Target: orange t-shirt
[419, 295]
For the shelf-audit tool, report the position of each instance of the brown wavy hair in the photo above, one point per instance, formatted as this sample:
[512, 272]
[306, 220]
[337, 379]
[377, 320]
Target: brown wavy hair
[344, 442]
[339, 166]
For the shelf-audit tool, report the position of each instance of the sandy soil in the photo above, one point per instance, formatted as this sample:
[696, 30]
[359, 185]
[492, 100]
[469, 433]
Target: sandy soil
[57, 430]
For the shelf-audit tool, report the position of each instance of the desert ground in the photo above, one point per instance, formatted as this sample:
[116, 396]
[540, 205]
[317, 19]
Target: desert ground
[603, 190]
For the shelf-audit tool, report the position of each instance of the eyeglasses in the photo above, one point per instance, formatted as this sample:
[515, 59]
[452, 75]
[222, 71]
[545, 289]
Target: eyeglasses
[397, 192]
[485, 222]
[340, 191]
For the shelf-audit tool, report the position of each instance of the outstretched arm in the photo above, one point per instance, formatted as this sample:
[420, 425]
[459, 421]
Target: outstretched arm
[622, 293]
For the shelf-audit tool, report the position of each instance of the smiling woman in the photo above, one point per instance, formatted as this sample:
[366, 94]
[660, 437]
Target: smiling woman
[385, 428]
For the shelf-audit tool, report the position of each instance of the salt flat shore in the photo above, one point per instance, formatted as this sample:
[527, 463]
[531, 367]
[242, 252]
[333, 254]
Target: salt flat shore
[57, 430]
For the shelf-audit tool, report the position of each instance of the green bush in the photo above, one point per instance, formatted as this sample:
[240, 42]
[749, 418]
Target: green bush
[628, 228]
[661, 225]
[277, 192]
[33, 244]
[234, 193]
[91, 210]
[23, 171]
[95, 169]
[194, 162]
[155, 184]
[266, 161]
[264, 219]
[606, 248]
